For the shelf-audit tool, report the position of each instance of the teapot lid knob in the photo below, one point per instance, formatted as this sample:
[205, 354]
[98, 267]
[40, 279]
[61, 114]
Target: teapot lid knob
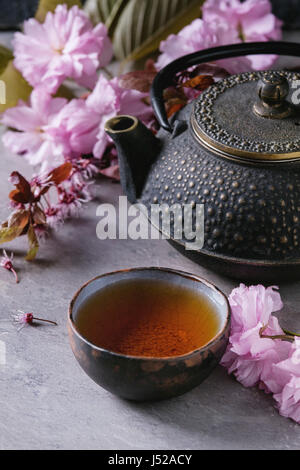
[273, 89]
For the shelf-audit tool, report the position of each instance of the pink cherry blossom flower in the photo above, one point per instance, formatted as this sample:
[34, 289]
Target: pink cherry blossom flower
[258, 352]
[249, 355]
[6, 262]
[252, 20]
[51, 130]
[70, 198]
[40, 135]
[226, 22]
[108, 99]
[65, 46]
[86, 168]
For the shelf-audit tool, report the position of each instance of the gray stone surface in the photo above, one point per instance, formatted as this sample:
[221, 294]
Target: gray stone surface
[47, 401]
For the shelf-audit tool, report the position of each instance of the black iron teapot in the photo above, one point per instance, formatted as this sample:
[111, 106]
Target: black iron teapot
[235, 150]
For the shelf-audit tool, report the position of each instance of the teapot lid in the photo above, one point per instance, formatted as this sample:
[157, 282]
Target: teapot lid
[251, 116]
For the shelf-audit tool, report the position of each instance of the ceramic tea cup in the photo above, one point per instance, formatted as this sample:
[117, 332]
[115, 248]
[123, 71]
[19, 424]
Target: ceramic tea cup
[143, 378]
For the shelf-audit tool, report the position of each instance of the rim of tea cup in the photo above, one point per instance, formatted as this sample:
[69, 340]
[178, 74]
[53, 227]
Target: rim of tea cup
[184, 274]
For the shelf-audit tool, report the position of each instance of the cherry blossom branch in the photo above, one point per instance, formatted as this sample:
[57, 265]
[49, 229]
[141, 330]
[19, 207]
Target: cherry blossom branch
[47, 321]
[286, 337]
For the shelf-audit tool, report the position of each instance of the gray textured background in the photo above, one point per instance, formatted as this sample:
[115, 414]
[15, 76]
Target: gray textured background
[47, 401]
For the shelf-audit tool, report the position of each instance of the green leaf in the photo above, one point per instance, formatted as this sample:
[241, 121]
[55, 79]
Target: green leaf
[14, 226]
[7, 234]
[112, 20]
[106, 11]
[33, 244]
[49, 5]
[5, 56]
[102, 8]
[19, 219]
[16, 87]
[145, 23]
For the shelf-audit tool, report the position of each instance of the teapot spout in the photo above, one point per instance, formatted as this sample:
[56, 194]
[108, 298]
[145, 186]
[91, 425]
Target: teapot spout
[137, 149]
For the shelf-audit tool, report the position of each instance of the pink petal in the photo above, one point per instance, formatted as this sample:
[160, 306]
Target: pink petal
[21, 142]
[289, 400]
[22, 118]
[112, 172]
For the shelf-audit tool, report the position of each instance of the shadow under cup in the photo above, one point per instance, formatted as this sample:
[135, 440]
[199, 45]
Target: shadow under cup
[139, 377]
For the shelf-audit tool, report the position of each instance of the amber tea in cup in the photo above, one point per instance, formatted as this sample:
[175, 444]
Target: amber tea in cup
[148, 333]
[148, 317]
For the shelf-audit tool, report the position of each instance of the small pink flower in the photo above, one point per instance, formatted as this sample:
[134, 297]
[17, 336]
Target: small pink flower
[69, 203]
[23, 319]
[87, 169]
[65, 46]
[54, 216]
[6, 263]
